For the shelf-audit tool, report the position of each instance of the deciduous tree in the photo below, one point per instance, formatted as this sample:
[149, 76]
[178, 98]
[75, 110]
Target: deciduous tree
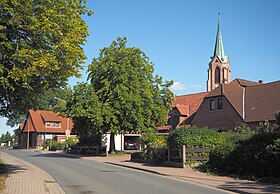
[40, 48]
[132, 98]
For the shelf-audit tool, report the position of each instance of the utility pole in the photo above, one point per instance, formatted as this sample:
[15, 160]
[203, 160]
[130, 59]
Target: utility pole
[27, 146]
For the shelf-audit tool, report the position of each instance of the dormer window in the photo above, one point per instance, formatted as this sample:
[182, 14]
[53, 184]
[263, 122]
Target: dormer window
[53, 124]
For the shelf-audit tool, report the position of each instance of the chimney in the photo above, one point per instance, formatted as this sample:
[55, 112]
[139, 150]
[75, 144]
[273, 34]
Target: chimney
[260, 81]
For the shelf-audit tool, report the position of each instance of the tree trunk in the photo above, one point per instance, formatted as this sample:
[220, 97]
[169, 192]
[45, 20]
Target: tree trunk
[112, 148]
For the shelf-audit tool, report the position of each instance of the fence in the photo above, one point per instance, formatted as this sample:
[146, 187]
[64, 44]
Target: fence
[90, 150]
[178, 157]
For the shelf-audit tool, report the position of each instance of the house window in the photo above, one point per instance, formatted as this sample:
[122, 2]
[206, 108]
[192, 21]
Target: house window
[212, 105]
[48, 124]
[57, 124]
[53, 124]
[220, 104]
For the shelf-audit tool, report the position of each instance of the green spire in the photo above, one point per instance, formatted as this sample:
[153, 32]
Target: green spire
[219, 48]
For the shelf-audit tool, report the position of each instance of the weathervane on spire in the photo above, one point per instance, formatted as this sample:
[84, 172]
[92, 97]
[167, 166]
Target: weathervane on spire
[219, 16]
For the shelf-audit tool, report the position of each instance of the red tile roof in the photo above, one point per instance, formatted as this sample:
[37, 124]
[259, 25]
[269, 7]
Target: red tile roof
[262, 101]
[244, 83]
[188, 102]
[184, 110]
[36, 122]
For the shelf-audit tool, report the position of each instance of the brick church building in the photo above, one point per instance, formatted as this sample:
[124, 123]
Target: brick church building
[226, 103]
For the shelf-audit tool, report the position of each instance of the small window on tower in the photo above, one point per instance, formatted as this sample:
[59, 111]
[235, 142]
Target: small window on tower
[212, 105]
[220, 104]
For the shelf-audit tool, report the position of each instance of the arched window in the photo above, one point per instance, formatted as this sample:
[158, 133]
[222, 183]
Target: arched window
[217, 75]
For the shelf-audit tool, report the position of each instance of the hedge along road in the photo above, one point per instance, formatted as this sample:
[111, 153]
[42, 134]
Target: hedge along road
[76, 175]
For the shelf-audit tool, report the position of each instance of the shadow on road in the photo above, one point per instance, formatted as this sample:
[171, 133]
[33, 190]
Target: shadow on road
[247, 187]
[56, 155]
[13, 169]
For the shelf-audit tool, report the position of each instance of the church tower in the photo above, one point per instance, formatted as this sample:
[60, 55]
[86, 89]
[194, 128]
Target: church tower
[218, 71]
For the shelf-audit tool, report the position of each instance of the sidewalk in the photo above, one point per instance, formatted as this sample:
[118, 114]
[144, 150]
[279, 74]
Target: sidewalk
[25, 178]
[225, 183]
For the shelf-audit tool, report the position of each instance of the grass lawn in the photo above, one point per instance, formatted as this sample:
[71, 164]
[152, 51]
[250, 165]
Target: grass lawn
[3, 175]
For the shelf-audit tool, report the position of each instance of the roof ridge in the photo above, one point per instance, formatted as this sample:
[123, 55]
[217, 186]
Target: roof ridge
[246, 80]
[263, 84]
[191, 94]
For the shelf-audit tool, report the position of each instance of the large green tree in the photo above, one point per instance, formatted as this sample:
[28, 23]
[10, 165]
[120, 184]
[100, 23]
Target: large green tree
[40, 48]
[132, 98]
[85, 109]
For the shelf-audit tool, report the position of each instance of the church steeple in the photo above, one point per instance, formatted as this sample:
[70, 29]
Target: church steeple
[219, 48]
[218, 72]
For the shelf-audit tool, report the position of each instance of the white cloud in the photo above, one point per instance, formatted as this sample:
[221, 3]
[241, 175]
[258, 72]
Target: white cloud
[178, 86]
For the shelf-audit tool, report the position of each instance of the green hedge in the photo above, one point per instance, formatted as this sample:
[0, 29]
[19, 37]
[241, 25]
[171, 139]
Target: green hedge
[256, 157]
[195, 137]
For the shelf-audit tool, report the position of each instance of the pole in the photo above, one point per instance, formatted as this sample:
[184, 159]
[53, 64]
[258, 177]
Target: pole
[27, 146]
[67, 128]
[183, 156]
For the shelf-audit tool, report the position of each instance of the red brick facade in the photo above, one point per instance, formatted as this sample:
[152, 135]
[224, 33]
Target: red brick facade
[223, 119]
[41, 123]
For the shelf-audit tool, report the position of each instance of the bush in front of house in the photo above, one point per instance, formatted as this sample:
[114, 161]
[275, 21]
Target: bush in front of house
[194, 137]
[57, 146]
[156, 148]
[152, 140]
[137, 155]
[254, 157]
[54, 145]
[72, 141]
[219, 156]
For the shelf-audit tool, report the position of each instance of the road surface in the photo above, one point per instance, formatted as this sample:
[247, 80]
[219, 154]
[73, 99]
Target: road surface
[78, 176]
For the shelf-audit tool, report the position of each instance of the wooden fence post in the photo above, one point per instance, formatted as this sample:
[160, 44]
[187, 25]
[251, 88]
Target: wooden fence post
[183, 155]
[168, 155]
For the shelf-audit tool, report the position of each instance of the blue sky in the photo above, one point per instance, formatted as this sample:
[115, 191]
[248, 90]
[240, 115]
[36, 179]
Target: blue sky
[179, 37]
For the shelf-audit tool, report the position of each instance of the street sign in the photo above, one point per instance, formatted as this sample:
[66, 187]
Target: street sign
[67, 133]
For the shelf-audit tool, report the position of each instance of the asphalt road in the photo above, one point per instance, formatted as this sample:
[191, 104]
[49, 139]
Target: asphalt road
[78, 176]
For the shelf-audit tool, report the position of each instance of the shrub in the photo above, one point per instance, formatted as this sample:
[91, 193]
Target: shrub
[194, 137]
[218, 158]
[256, 157]
[71, 142]
[57, 146]
[54, 145]
[136, 155]
[151, 140]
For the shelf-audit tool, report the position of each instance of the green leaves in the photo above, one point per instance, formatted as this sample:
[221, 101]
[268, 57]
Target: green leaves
[40, 44]
[122, 96]
[123, 79]
[195, 137]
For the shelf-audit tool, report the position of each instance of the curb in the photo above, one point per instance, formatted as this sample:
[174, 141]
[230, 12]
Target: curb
[136, 168]
[162, 174]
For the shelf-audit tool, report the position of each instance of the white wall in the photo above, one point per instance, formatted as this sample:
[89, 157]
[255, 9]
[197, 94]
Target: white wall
[105, 141]
[119, 141]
